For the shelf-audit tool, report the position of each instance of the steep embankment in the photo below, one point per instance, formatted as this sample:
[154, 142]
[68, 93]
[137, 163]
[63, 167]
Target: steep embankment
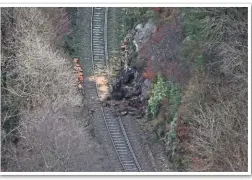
[196, 67]
[42, 111]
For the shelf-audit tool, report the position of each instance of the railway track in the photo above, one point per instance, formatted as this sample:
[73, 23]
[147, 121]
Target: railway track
[113, 123]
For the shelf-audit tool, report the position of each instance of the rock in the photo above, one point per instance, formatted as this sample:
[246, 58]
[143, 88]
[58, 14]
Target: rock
[149, 27]
[137, 62]
[146, 89]
[132, 91]
[118, 95]
[135, 102]
[139, 116]
[132, 113]
[114, 103]
[136, 46]
[123, 113]
[91, 112]
[128, 75]
[132, 109]
[135, 112]
[152, 137]
[128, 36]
[108, 98]
[133, 32]
[147, 83]
[139, 27]
[139, 113]
[105, 104]
[144, 33]
[125, 77]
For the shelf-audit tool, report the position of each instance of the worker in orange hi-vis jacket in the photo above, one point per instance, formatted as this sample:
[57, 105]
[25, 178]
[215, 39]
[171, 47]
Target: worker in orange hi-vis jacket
[76, 60]
[80, 76]
[76, 65]
[80, 86]
[78, 71]
[80, 80]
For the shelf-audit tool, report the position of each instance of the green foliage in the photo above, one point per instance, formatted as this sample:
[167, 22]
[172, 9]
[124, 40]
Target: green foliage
[171, 91]
[163, 90]
[170, 139]
[171, 135]
[207, 29]
[69, 45]
[72, 12]
[174, 97]
[193, 23]
[72, 40]
[159, 92]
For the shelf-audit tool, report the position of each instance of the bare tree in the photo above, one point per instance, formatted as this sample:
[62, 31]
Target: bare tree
[40, 91]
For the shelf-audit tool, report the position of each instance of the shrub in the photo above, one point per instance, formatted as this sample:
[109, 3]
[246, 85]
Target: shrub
[158, 93]
[174, 96]
[170, 137]
[162, 90]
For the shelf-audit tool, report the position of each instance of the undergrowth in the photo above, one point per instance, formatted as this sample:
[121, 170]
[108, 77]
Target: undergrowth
[170, 137]
[159, 92]
[207, 125]
[171, 92]
[71, 40]
[215, 100]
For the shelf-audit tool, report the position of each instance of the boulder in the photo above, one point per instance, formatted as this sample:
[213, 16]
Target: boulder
[126, 76]
[123, 113]
[146, 89]
[118, 95]
[144, 33]
[131, 91]
[139, 27]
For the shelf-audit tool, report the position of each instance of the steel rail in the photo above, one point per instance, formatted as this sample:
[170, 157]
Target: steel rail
[113, 123]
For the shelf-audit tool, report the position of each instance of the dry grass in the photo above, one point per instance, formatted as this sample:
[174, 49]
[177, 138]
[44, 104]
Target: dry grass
[40, 86]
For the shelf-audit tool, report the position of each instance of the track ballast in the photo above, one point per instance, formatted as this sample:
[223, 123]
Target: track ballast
[113, 123]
